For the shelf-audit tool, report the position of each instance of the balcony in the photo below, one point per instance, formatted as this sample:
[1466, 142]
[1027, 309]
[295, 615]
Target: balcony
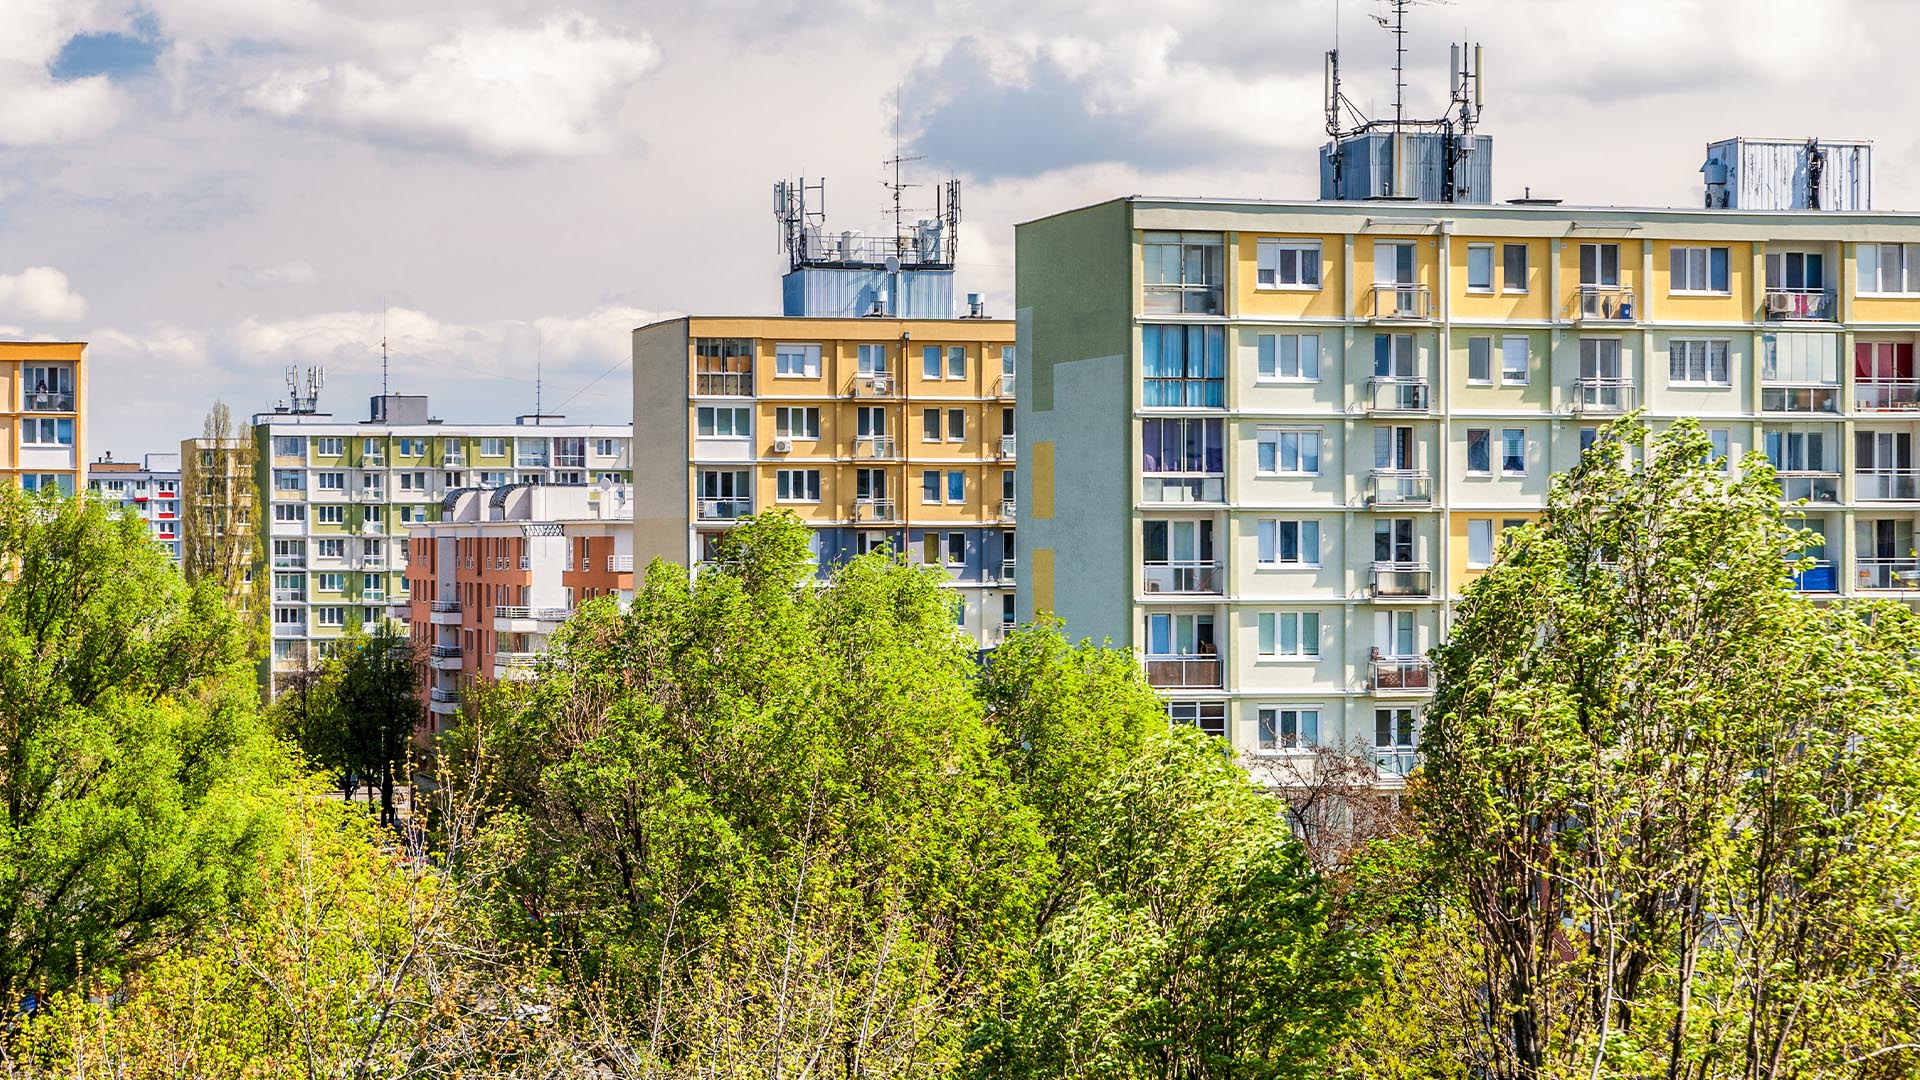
[1007, 447]
[1799, 398]
[371, 562]
[875, 448]
[1814, 487]
[1799, 305]
[1605, 396]
[1815, 576]
[443, 697]
[47, 401]
[531, 461]
[289, 594]
[724, 509]
[540, 614]
[1887, 485]
[370, 495]
[569, 461]
[875, 386]
[453, 459]
[515, 665]
[289, 562]
[1184, 672]
[1400, 579]
[1181, 577]
[1400, 303]
[724, 383]
[1889, 574]
[373, 459]
[619, 564]
[445, 657]
[1886, 395]
[1401, 675]
[1193, 298]
[1007, 508]
[1400, 394]
[1395, 761]
[1399, 487]
[874, 510]
[444, 607]
[1003, 387]
[1602, 303]
[1183, 489]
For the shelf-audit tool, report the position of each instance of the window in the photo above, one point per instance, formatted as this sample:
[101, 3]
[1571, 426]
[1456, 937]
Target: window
[930, 487]
[1804, 359]
[930, 425]
[286, 616]
[1182, 446]
[1182, 272]
[1479, 543]
[872, 359]
[1888, 268]
[956, 549]
[1803, 451]
[870, 421]
[1394, 739]
[724, 421]
[796, 360]
[330, 616]
[493, 447]
[797, 422]
[287, 446]
[1513, 451]
[1479, 451]
[1209, 716]
[1180, 634]
[47, 386]
[606, 448]
[1290, 356]
[1393, 541]
[291, 512]
[1480, 360]
[412, 447]
[1289, 543]
[956, 486]
[1289, 452]
[329, 447]
[1289, 729]
[956, 425]
[1513, 276]
[330, 549]
[1721, 438]
[283, 479]
[495, 479]
[1290, 634]
[1393, 356]
[413, 481]
[1588, 436]
[371, 583]
[1702, 362]
[1393, 262]
[1513, 360]
[1287, 264]
[1007, 363]
[47, 432]
[412, 514]
[1180, 544]
[930, 361]
[1697, 269]
[1184, 366]
[47, 482]
[797, 485]
[870, 484]
[1480, 267]
[1798, 271]
[956, 362]
[1600, 265]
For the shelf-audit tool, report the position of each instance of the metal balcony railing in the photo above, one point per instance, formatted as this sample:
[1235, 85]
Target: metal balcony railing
[1400, 579]
[1596, 395]
[1003, 387]
[1879, 573]
[1799, 398]
[1887, 485]
[1181, 577]
[444, 652]
[1007, 510]
[515, 659]
[445, 697]
[1887, 395]
[1182, 672]
[369, 495]
[1401, 675]
[289, 562]
[873, 510]
[1007, 447]
[1399, 487]
[1409, 303]
[1396, 761]
[1815, 576]
[619, 564]
[544, 614]
[1612, 303]
[1400, 393]
[875, 386]
[47, 401]
[1815, 487]
[1799, 305]
[289, 594]
[876, 447]
[444, 607]
[724, 509]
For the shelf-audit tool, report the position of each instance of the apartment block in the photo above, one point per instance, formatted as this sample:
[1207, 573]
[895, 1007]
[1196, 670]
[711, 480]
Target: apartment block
[878, 432]
[1267, 444]
[339, 497]
[500, 570]
[43, 398]
[149, 488]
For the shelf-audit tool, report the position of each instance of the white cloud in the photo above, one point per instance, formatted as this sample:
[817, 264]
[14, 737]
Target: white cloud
[34, 108]
[287, 275]
[40, 292]
[497, 91]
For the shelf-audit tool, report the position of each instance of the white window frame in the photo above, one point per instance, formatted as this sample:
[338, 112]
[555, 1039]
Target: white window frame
[1467, 452]
[1681, 256]
[1278, 438]
[329, 446]
[1267, 537]
[706, 422]
[1487, 379]
[1506, 441]
[1272, 627]
[1267, 252]
[1273, 350]
[1722, 440]
[1870, 267]
[1508, 376]
[1486, 251]
[1526, 268]
[806, 491]
[1271, 717]
[796, 360]
[785, 415]
[1480, 536]
[1707, 348]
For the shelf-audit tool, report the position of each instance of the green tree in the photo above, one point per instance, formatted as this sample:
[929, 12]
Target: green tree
[356, 713]
[136, 782]
[220, 540]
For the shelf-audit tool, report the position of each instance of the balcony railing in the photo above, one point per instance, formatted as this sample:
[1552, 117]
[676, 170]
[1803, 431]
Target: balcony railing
[873, 510]
[544, 614]
[875, 386]
[1799, 305]
[445, 607]
[515, 660]
[1178, 672]
[1400, 393]
[1799, 398]
[444, 652]
[1816, 577]
[1886, 395]
[1412, 303]
[445, 697]
[47, 401]
[1887, 485]
[1400, 579]
[289, 594]
[1007, 509]
[1003, 387]
[1183, 489]
[569, 461]
[1595, 395]
[1399, 487]
[1815, 487]
[724, 383]
[877, 447]
[1396, 761]
[1611, 303]
[724, 509]
[531, 461]
[1402, 675]
[1007, 447]
[1181, 577]
[619, 564]
[373, 459]
[1198, 298]
[370, 495]
[289, 562]
[1903, 574]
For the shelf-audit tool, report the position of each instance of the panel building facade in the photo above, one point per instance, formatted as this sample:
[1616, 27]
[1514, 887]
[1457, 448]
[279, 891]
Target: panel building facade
[150, 488]
[43, 429]
[1266, 444]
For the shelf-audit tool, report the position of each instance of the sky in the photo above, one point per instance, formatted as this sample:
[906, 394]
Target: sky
[212, 191]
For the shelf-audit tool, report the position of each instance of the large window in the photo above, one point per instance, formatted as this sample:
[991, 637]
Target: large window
[47, 387]
[46, 432]
[872, 359]
[1807, 359]
[796, 360]
[797, 422]
[1183, 273]
[1290, 634]
[1288, 264]
[724, 421]
[797, 485]
[1800, 451]
[1796, 271]
[1184, 366]
[1209, 716]
[1289, 728]
[1698, 269]
[723, 366]
[1698, 362]
[1888, 268]
[1284, 542]
[1600, 265]
[1180, 634]
[1289, 452]
[1184, 459]
[1293, 357]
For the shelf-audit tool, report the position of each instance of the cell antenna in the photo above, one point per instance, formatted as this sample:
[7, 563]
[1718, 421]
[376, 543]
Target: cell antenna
[897, 186]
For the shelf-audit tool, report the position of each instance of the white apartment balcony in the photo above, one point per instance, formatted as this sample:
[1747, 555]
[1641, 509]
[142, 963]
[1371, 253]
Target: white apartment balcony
[515, 619]
[1401, 675]
[875, 448]
[1200, 672]
[1008, 446]
[1201, 578]
[1887, 485]
[289, 630]
[1602, 396]
[1814, 487]
[724, 509]
[443, 702]
[1399, 487]
[723, 383]
[1189, 488]
[370, 495]
[569, 461]
[1400, 303]
[1400, 579]
[1399, 394]
[1602, 303]
[371, 562]
[1007, 510]
[515, 665]
[372, 459]
[444, 657]
[1799, 398]
[1896, 575]
[874, 510]
[46, 401]
[289, 562]
[1396, 760]
[1003, 387]
[619, 564]
[877, 385]
[1887, 395]
[1800, 305]
[289, 594]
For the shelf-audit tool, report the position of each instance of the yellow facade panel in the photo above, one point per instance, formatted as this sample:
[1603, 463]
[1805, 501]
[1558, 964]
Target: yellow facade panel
[1289, 301]
[1042, 580]
[1042, 468]
[1524, 297]
[1736, 304]
[1461, 569]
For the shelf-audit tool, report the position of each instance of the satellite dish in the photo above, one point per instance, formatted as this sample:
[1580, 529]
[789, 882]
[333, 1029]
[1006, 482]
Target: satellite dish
[892, 264]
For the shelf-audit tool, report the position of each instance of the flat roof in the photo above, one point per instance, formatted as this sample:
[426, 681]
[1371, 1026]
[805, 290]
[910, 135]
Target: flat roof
[1402, 208]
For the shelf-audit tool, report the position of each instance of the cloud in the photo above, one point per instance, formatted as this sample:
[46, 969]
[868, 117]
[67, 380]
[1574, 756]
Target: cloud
[495, 91]
[35, 106]
[288, 275]
[40, 292]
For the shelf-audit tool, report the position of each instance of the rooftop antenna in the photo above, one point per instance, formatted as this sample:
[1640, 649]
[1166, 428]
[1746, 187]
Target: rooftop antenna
[897, 185]
[1346, 120]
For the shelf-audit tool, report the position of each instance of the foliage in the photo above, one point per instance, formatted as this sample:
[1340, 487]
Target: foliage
[220, 542]
[356, 715]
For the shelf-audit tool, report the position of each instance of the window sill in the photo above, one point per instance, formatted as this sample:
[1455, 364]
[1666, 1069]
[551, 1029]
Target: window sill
[1285, 566]
[1682, 384]
[1515, 292]
[1485, 290]
[1288, 475]
[1278, 658]
[1284, 380]
[1487, 383]
[1514, 382]
[1289, 288]
[1479, 474]
[1701, 294]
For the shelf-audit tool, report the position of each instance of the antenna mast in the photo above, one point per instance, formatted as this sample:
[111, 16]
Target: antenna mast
[1413, 160]
[897, 185]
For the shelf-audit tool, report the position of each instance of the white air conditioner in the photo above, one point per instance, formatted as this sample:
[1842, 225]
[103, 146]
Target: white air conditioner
[1780, 303]
[883, 384]
[783, 446]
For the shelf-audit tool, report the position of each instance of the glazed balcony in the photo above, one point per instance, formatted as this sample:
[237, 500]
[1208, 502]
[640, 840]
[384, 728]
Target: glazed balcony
[1887, 485]
[1814, 487]
[1897, 575]
[1400, 579]
[1886, 395]
[1399, 487]
[1799, 398]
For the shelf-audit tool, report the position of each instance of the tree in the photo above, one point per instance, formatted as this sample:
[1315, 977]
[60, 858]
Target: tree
[220, 542]
[355, 715]
[1673, 793]
[135, 779]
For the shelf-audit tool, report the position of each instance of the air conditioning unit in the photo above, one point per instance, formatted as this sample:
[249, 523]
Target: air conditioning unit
[783, 446]
[1780, 303]
[883, 384]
